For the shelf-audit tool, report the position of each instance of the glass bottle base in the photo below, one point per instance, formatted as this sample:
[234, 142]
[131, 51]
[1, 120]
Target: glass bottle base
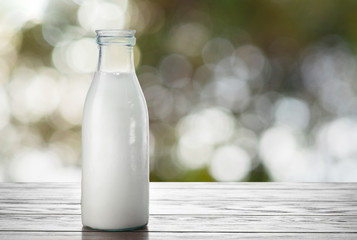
[118, 230]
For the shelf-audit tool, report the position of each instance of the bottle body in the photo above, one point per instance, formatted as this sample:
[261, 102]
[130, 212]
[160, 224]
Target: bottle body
[115, 153]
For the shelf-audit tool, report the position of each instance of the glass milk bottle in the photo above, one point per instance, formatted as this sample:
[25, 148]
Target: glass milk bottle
[115, 133]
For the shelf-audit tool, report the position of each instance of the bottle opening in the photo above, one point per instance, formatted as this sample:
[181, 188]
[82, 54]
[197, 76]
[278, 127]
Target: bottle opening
[109, 36]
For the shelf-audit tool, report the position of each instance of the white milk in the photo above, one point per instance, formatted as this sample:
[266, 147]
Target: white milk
[115, 177]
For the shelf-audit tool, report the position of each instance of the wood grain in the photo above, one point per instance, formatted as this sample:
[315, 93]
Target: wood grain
[191, 210]
[193, 223]
[199, 185]
[72, 194]
[215, 207]
[170, 235]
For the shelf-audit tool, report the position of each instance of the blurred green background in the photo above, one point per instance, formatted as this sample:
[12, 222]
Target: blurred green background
[236, 90]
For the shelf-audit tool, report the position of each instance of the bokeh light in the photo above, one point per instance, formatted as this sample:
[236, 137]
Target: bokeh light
[95, 14]
[230, 163]
[292, 112]
[231, 96]
[201, 131]
[189, 38]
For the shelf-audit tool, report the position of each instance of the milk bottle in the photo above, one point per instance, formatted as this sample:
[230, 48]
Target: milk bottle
[115, 130]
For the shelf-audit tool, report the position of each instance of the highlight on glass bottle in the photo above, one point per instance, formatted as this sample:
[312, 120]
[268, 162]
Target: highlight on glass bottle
[115, 140]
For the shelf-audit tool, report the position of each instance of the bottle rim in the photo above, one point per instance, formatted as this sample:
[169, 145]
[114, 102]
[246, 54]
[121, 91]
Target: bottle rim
[115, 33]
[118, 36]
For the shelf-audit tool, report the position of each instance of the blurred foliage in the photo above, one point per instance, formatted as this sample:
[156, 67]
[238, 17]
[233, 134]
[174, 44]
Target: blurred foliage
[237, 90]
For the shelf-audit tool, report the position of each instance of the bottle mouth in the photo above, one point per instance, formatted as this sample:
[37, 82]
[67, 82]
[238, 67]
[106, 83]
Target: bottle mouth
[109, 36]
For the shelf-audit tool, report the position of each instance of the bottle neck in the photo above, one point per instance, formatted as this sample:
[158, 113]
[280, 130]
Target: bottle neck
[115, 57]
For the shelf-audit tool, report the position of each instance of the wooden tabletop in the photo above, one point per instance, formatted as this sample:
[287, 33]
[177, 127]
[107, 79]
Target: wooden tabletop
[190, 210]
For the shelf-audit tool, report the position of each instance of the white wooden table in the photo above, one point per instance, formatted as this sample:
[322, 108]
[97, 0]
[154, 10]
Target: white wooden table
[191, 211]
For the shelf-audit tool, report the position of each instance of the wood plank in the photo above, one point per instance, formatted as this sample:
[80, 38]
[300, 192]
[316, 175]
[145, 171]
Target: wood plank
[196, 185]
[308, 195]
[170, 235]
[192, 210]
[199, 208]
[39, 195]
[186, 223]
[257, 185]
